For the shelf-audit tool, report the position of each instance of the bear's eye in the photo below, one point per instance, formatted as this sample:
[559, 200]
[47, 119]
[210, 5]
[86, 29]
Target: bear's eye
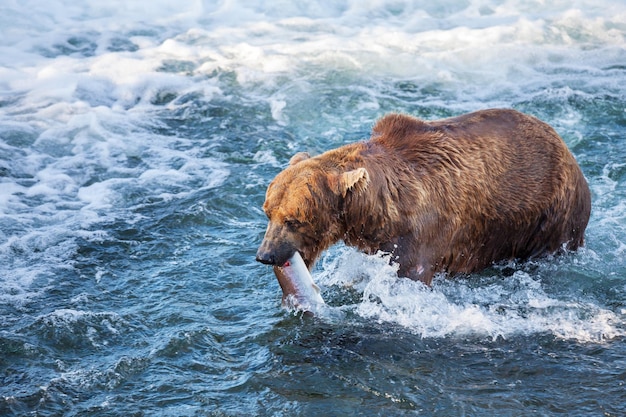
[293, 224]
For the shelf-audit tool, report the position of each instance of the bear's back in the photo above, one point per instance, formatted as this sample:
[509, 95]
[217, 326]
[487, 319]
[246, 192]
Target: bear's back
[499, 147]
[485, 130]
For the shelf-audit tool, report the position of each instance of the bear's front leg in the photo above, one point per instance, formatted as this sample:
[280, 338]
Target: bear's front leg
[419, 273]
[412, 260]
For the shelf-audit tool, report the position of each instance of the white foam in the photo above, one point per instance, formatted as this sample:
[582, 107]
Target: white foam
[499, 45]
[266, 157]
[98, 195]
[79, 325]
[498, 307]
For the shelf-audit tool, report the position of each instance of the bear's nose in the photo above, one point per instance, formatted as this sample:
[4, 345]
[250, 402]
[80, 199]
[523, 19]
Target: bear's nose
[272, 253]
[265, 258]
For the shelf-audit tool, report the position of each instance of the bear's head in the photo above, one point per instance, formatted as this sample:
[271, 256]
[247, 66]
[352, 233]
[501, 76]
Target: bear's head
[304, 205]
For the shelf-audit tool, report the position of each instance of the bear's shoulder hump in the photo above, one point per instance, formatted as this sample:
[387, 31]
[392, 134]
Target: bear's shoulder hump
[396, 124]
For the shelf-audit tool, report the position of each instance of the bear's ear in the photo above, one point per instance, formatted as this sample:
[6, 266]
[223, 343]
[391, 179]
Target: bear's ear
[299, 157]
[355, 180]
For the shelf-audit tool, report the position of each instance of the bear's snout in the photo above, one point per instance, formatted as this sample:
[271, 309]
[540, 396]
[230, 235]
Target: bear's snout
[271, 253]
[265, 257]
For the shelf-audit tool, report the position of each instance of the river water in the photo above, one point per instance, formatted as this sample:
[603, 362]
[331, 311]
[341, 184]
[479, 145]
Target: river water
[136, 143]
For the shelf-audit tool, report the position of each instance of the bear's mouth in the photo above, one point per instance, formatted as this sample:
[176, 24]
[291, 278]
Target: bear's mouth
[288, 261]
[275, 255]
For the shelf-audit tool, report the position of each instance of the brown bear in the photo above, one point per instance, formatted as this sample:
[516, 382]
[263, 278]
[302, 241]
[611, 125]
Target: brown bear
[452, 195]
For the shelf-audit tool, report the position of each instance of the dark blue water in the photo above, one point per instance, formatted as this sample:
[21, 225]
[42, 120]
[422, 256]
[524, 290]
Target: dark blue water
[136, 143]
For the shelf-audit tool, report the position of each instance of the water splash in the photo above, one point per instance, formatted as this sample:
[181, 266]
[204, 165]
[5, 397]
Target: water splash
[496, 305]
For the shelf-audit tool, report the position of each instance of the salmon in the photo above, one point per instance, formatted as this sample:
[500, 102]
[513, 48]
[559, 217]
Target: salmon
[299, 290]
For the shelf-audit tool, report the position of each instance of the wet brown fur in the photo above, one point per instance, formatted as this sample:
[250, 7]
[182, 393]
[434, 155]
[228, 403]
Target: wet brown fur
[451, 195]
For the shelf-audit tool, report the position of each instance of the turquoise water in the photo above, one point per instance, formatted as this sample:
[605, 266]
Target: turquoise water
[136, 143]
